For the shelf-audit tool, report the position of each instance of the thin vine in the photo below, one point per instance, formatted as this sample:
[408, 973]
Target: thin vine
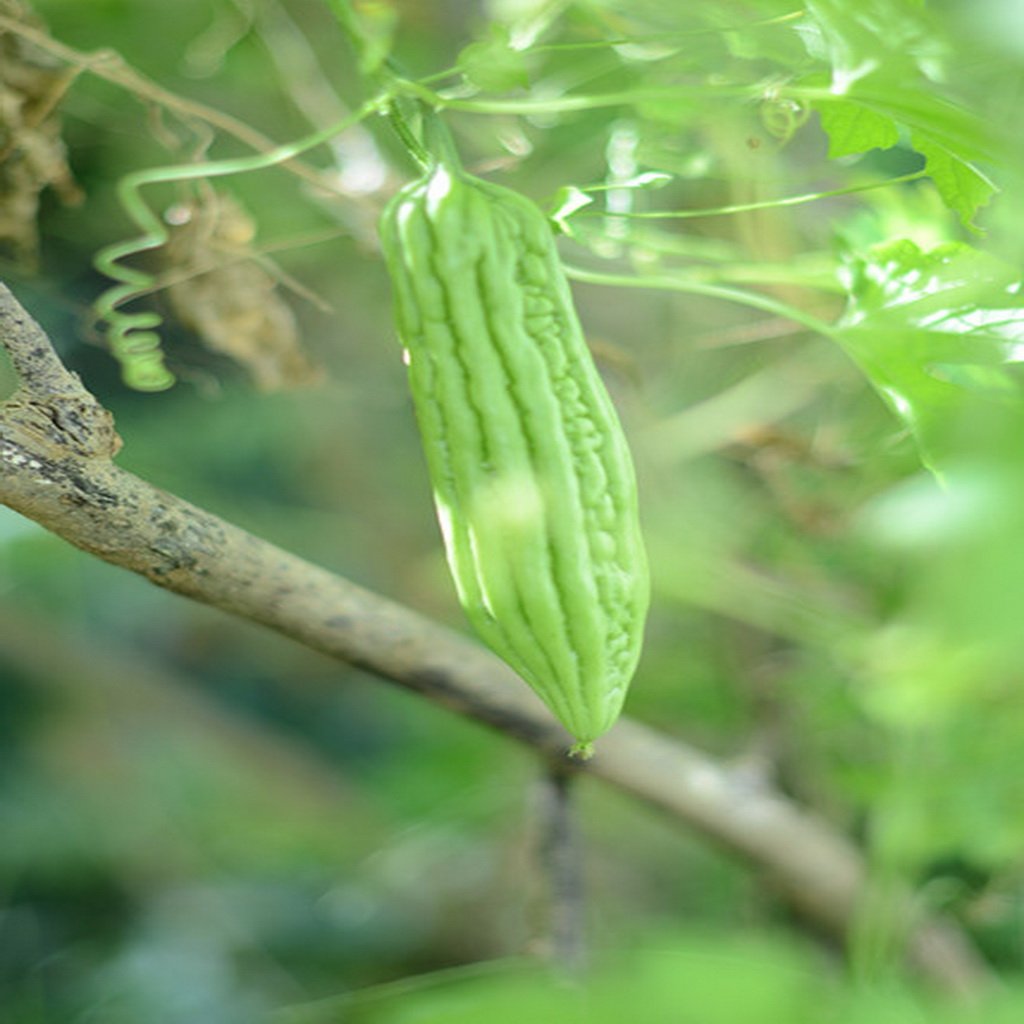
[133, 337]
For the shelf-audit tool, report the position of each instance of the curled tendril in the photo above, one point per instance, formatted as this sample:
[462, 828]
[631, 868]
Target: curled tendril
[133, 337]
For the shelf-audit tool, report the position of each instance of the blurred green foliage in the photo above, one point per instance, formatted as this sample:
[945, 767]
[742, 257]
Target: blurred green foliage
[202, 822]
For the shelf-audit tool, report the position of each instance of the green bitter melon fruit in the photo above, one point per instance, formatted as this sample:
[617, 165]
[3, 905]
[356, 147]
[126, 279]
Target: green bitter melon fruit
[533, 481]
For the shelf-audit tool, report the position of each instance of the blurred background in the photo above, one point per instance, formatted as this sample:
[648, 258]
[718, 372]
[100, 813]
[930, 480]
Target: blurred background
[202, 821]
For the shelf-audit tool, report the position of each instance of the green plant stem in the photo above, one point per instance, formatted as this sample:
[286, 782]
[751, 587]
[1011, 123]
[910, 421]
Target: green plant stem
[766, 204]
[337, 1008]
[668, 37]
[682, 284]
[431, 146]
[401, 123]
[567, 104]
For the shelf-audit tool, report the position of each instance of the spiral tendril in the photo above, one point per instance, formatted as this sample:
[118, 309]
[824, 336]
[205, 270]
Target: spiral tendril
[133, 337]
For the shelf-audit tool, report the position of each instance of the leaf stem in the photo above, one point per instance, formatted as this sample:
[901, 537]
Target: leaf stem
[717, 291]
[766, 204]
[565, 104]
[667, 37]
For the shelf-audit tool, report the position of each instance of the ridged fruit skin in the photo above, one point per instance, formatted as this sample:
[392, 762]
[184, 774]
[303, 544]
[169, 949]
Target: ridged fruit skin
[532, 477]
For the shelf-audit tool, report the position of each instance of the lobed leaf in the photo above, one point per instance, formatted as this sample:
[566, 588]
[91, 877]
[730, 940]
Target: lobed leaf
[932, 330]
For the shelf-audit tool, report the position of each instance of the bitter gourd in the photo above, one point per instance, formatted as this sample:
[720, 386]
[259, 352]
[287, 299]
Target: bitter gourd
[533, 481]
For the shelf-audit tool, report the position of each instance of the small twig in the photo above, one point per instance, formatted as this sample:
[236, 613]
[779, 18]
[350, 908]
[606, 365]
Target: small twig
[561, 863]
[257, 254]
[112, 67]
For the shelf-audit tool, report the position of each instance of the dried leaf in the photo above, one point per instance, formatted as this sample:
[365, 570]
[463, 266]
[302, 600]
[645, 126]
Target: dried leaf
[32, 153]
[223, 291]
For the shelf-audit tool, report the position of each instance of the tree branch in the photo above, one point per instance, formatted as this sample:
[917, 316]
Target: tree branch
[56, 449]
[560, 860]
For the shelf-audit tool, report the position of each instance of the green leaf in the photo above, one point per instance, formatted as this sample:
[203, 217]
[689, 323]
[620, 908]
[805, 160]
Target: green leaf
[647, 180]
[872, 37]
[855, 129]
[567, 201]
[377, 24]
[951, 139]
[492, 64]
[886, 58]
[964, 188]
[934, 332]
